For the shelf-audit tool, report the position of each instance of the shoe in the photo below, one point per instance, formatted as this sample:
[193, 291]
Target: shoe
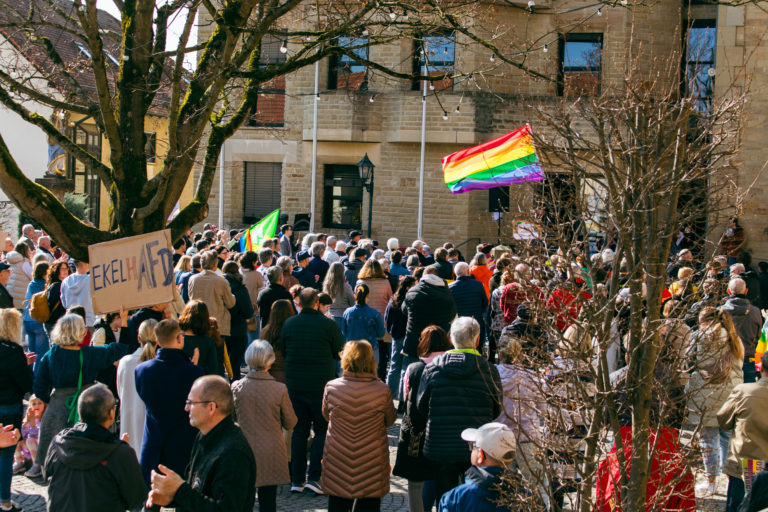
[315, 487]
[14, 508]
[297, 488]
[34, 472]
[19, 466]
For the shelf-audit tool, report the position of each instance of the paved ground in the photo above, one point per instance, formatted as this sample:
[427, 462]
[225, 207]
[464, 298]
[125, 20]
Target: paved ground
[31, 494]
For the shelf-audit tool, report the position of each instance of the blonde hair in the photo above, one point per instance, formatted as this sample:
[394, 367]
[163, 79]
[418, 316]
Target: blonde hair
[69, 330]
[511, 349]
[722, 320]
[10, 325]
[147, 339]
[357, 357]
[684, 273]
[184, 264]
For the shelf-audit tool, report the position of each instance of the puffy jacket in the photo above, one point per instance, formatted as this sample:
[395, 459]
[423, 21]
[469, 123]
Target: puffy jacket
[17, 283]
[91, 469]
[395, 320]
[747, 320]
[359, 408]
[310, 342]
[353, 268]
[458, 390]
[426, 304]
[444, 269]
[76, 291]
[469, 295]
[524, 401]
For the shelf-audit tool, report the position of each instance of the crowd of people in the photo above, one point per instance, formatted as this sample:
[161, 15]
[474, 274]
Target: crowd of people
[287, 365]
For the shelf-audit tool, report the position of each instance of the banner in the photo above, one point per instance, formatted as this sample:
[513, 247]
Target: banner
[133, 272]
[265, 228]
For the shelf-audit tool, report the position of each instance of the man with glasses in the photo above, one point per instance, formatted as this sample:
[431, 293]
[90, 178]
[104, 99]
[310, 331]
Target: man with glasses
[163, 384]
[222, 472]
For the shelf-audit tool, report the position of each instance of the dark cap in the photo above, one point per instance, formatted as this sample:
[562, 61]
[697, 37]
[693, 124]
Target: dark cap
[485, 248]
[303, 255]
[4, 266]
[354, 234]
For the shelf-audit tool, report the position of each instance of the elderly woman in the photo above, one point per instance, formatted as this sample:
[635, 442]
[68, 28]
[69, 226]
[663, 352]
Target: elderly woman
[15, 381]
[61, 375]
[359, 409]
[263, 409]
[132, 409]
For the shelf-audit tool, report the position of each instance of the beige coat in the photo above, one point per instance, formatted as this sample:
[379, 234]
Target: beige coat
[263, 411]
[359, 409]
[746, 413]
[214, 290]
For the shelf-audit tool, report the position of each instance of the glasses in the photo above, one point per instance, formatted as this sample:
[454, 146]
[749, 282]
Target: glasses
[471, 445]
[190, 403]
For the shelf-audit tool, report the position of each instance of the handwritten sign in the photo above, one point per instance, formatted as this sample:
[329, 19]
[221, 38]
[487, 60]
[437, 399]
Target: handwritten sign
[133, 272]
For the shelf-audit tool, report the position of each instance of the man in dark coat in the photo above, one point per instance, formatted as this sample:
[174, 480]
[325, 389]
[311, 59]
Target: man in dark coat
[444, 268]
[317, 265]
[163, 384]
[458, 390]
[302, 273]
[427, 303]
[222, 471]
[469, 295]
[6, 301]
[311, 342]
[274, 292]
[88, 466]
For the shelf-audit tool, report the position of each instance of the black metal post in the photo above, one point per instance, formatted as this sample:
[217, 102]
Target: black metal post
[370, 204]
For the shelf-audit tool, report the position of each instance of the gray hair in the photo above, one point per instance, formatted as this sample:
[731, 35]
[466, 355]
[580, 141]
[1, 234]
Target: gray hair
[377, 254]
[265, 255]
[309, 239]
[274, 274]
[284, 262]
[26, 228]
[259, 355]
[94, 404]
[209, 260]
[330, 240]
[417, 244]
[341, 245]
[317, 248]
[393, 244]
[464, 332]
[461, 269]
[737, 286]
[737, 268]
[69, 330]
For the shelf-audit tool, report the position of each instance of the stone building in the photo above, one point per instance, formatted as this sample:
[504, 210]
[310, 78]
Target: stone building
[267, 164]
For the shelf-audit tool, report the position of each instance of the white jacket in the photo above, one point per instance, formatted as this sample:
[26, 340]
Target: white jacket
[21, 275]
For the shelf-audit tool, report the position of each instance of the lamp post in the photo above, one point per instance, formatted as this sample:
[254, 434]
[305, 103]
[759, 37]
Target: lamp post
[365, 168]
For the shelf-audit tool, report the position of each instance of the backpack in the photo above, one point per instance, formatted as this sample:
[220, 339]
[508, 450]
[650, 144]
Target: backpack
[38, 306]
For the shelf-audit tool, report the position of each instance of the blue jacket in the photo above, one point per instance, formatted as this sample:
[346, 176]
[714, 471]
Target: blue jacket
[34, 286]
[363, 323]
[163, 384]
[319, 267]
[184, 282]
[479, 492]
[469, 295]
[397, 269]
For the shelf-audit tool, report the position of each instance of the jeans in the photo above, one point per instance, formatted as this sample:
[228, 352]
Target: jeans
[10, 414]
[267, 498]
[308, 406]
[750, 373]
[336, 504]
[395, 369]
[36, 339]
[735, 494]
[709, 440]
[383, 350]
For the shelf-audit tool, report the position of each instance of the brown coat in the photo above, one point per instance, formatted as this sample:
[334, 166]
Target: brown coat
[263, 410]
[359, 409]
[214, 290]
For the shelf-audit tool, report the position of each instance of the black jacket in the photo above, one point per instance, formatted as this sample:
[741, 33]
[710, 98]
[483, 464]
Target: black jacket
[54, 303]
[395, 320]
[458, 390]
[444, 269]
[269, 296]
[469, 295]
[15, 374]
[352, 269]
[242, 310]
[426, 304]
[305, 277]
[310, 342]
[131, 335]
[91, 469]
[221, 474]
[6, 301]
[753, 286]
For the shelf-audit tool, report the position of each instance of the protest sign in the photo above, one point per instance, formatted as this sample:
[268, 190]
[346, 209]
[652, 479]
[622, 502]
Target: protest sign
[133, 272]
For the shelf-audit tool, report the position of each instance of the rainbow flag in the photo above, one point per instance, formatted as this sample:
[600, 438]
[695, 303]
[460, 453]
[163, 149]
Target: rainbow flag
[254, 235]
[504, 161]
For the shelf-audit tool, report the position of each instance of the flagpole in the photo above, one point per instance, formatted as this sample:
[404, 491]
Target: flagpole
[314, 151]
[419, 229]
[221, 186]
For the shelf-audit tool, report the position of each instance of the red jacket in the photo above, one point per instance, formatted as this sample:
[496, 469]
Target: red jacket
[566, 306]
[515, 294]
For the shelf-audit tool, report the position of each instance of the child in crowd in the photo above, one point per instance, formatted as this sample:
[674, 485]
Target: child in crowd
[325, 304]
[30, 429]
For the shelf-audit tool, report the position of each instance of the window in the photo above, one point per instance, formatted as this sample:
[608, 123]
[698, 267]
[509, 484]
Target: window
[557, 208]
[150, 146]
[343, 71]
[438, 53]
[261, 192]
[700, 43]
[86, 180]
[343, 197]
[580, 64]
[269, 110]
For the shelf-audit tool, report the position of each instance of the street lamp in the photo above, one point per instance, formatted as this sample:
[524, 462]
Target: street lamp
[365, 168]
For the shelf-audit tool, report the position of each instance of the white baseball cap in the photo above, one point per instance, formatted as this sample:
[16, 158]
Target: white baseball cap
[495, 439]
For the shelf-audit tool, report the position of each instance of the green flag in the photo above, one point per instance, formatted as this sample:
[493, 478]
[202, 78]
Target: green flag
[265, 228]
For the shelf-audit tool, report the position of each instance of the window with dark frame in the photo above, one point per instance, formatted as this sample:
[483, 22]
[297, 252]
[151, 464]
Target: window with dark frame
[150, 146]
[438, 53]
[269, 110]
[346, 73]
[342, 197]
[261, 189]
[700, 48]
[580, 64]
[86, 180]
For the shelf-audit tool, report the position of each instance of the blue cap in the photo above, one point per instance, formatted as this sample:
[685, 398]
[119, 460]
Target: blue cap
[303, 255]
